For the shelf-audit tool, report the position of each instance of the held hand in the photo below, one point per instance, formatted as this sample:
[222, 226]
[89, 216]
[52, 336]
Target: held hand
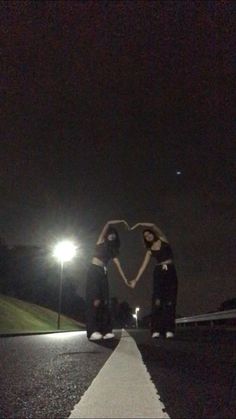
[126, 282]
[132, 283]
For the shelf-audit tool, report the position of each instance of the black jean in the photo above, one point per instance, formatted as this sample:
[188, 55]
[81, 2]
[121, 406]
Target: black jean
[98, 319]
[165, 286]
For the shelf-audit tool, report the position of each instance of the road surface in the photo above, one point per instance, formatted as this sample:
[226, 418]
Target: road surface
[64, 375]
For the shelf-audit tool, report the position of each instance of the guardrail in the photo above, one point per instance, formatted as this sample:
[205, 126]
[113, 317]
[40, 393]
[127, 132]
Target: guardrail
[209, 317]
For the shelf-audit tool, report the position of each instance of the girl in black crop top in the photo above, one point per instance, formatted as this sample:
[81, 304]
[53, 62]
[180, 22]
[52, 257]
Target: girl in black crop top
[97, 288]
[164, 280]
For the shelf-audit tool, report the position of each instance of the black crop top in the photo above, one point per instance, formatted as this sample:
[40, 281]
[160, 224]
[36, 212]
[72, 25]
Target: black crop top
[104, 253]
[163, 254]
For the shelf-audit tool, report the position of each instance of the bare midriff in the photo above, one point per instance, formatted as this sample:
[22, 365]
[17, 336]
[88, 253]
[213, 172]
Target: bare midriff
[98, 262]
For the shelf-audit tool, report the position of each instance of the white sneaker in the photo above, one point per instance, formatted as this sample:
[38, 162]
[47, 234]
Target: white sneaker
[95, 336]
[156, 335]
[169, 335]
[109, 336]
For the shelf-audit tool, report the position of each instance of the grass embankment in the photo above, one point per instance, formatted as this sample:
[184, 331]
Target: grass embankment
[21, 316]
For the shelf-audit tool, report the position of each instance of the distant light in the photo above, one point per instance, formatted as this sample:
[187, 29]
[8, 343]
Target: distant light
[64, 251]
[179, 172]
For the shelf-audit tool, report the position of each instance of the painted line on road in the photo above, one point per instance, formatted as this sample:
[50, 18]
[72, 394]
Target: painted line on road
[122, 389]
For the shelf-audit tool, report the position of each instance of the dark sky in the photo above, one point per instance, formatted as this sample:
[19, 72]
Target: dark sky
[103, 103]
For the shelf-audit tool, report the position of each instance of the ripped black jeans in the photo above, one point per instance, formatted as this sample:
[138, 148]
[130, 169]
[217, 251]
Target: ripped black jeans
[165, 286]
[98, 319]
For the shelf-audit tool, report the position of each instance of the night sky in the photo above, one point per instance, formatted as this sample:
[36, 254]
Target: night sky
[103, 103]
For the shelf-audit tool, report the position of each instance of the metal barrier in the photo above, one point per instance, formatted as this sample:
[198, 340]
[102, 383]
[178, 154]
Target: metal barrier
[209, 317]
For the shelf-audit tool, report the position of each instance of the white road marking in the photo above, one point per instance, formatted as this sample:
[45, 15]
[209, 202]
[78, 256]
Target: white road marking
[122, 388]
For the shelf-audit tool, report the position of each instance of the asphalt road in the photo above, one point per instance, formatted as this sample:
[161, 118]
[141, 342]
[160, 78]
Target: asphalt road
[44, 376]
[195, 373]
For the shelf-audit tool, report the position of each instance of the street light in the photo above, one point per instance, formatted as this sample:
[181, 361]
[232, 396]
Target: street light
[135, 316]
[136, 312]
[64, 251]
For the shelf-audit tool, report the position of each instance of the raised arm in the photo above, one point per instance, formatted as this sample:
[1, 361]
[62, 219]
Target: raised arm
[155, 229]
[107, 225]
[120, 270]
[142, 268]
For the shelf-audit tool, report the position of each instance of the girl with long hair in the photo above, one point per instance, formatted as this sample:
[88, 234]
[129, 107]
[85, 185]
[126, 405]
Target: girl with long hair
[97, 288]
[165, 283]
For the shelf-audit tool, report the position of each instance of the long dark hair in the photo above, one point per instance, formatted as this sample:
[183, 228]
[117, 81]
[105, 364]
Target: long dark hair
[147, 243]
[112, 245]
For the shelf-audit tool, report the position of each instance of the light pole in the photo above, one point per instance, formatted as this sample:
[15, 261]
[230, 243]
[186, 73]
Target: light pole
[136, 313]
[135, 316]
[64, 252]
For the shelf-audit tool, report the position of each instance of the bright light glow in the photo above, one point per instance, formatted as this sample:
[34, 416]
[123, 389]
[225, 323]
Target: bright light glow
[137, 309]
[178, 172]
[64, 251]
[134, 316]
